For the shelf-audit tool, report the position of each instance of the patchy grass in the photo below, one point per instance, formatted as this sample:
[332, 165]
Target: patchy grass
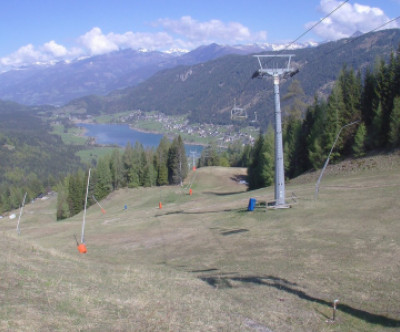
[94, 153]
[74, 136]
[204, 263]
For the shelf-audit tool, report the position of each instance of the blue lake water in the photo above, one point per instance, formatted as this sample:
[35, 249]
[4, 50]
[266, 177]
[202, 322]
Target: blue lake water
[121, 134]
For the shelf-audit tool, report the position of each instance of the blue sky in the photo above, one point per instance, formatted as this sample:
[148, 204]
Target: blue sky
[51, 30]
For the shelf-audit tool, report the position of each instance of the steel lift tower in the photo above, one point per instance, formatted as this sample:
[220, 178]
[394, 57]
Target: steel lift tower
[279, 166]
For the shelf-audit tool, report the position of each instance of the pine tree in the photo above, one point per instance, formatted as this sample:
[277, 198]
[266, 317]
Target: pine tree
[394, 134]
[376, 138]
[209, 156]
[127, 162]
[369, 103]
[177, 162]
[116, 168]
[139, 161]
[103, 179]
[385, 77]
[76, 192]
[359, 141]
[62, 200]
[334, 110]
[316, 150]
[351, 90]
[260, 172]
[161, 161]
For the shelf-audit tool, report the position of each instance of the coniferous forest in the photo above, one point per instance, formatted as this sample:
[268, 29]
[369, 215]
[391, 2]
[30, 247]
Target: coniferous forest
[132, 168]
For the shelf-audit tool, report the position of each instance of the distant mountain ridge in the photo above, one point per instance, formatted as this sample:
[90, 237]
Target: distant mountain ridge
[206, 91]
[58, 83]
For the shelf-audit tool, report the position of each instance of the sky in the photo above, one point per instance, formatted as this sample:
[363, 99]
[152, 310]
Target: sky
[41, 31]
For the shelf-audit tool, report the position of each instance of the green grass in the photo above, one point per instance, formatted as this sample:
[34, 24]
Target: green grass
[204, 263]
[74, 136]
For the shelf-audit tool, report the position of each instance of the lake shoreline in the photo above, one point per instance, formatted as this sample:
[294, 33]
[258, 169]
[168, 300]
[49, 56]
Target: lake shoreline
[119, 134]
[140, 130]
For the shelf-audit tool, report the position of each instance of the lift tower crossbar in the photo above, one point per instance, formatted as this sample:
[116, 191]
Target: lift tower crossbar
[279, 166]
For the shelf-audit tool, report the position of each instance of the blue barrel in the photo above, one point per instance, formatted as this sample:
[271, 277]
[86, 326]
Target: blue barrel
[252, 204]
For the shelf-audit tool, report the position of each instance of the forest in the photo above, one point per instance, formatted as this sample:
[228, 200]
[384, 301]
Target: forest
[31, 160]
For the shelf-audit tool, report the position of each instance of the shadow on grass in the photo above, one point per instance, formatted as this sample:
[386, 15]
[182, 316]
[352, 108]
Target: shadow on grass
[224, 193]
[200, 212]
[234, 231]
[288, 287]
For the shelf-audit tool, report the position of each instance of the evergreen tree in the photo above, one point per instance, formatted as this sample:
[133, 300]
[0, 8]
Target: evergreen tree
[316, 154]
[394, 134]
[209, 156]
[260, 172]
[335, 109]
[161, 161]
[359, 141]
[76, 192]
[385, 79]
[369, 103]
[351, 90]
[294, 98]
[149, 175]
[103, 178]
[127, 161]
[62, 200]
[139, 162]
[376, 138]
[116, 168]
[177, 162]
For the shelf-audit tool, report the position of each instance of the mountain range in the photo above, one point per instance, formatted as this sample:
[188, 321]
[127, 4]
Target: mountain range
[204, 84]
[207, 91]
[58, 83]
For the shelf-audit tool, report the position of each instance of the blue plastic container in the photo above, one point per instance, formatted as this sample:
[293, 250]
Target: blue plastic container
[252, 204]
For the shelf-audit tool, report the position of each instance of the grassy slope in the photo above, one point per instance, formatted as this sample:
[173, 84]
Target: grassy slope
[204, 263]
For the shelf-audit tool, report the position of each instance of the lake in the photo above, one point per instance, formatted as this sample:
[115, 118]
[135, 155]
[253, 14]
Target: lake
[121, 134]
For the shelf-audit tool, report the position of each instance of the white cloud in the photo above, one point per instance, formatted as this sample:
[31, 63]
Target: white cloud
[185, 33]
[96, 42]
[348, 19]
[25, 54]
[55, 49]
[138, 40]
[197, 33]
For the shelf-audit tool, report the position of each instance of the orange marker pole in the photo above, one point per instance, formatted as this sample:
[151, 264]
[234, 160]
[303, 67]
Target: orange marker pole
[190, 191]
[160, 205]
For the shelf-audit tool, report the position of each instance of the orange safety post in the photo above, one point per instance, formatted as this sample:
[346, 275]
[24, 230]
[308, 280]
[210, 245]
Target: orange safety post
[190, 191]
[160, 205]
[82, 248]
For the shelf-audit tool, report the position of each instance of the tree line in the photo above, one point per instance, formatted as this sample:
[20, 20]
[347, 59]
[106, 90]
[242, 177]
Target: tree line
[133, 167]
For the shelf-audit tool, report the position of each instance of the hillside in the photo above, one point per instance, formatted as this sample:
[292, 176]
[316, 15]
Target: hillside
[204, 263]
[207, 91]
[31, 159]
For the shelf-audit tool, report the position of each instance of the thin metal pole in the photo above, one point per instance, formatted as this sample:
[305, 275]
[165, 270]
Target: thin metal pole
[84, 210]
[20, 213]
[327, 159]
